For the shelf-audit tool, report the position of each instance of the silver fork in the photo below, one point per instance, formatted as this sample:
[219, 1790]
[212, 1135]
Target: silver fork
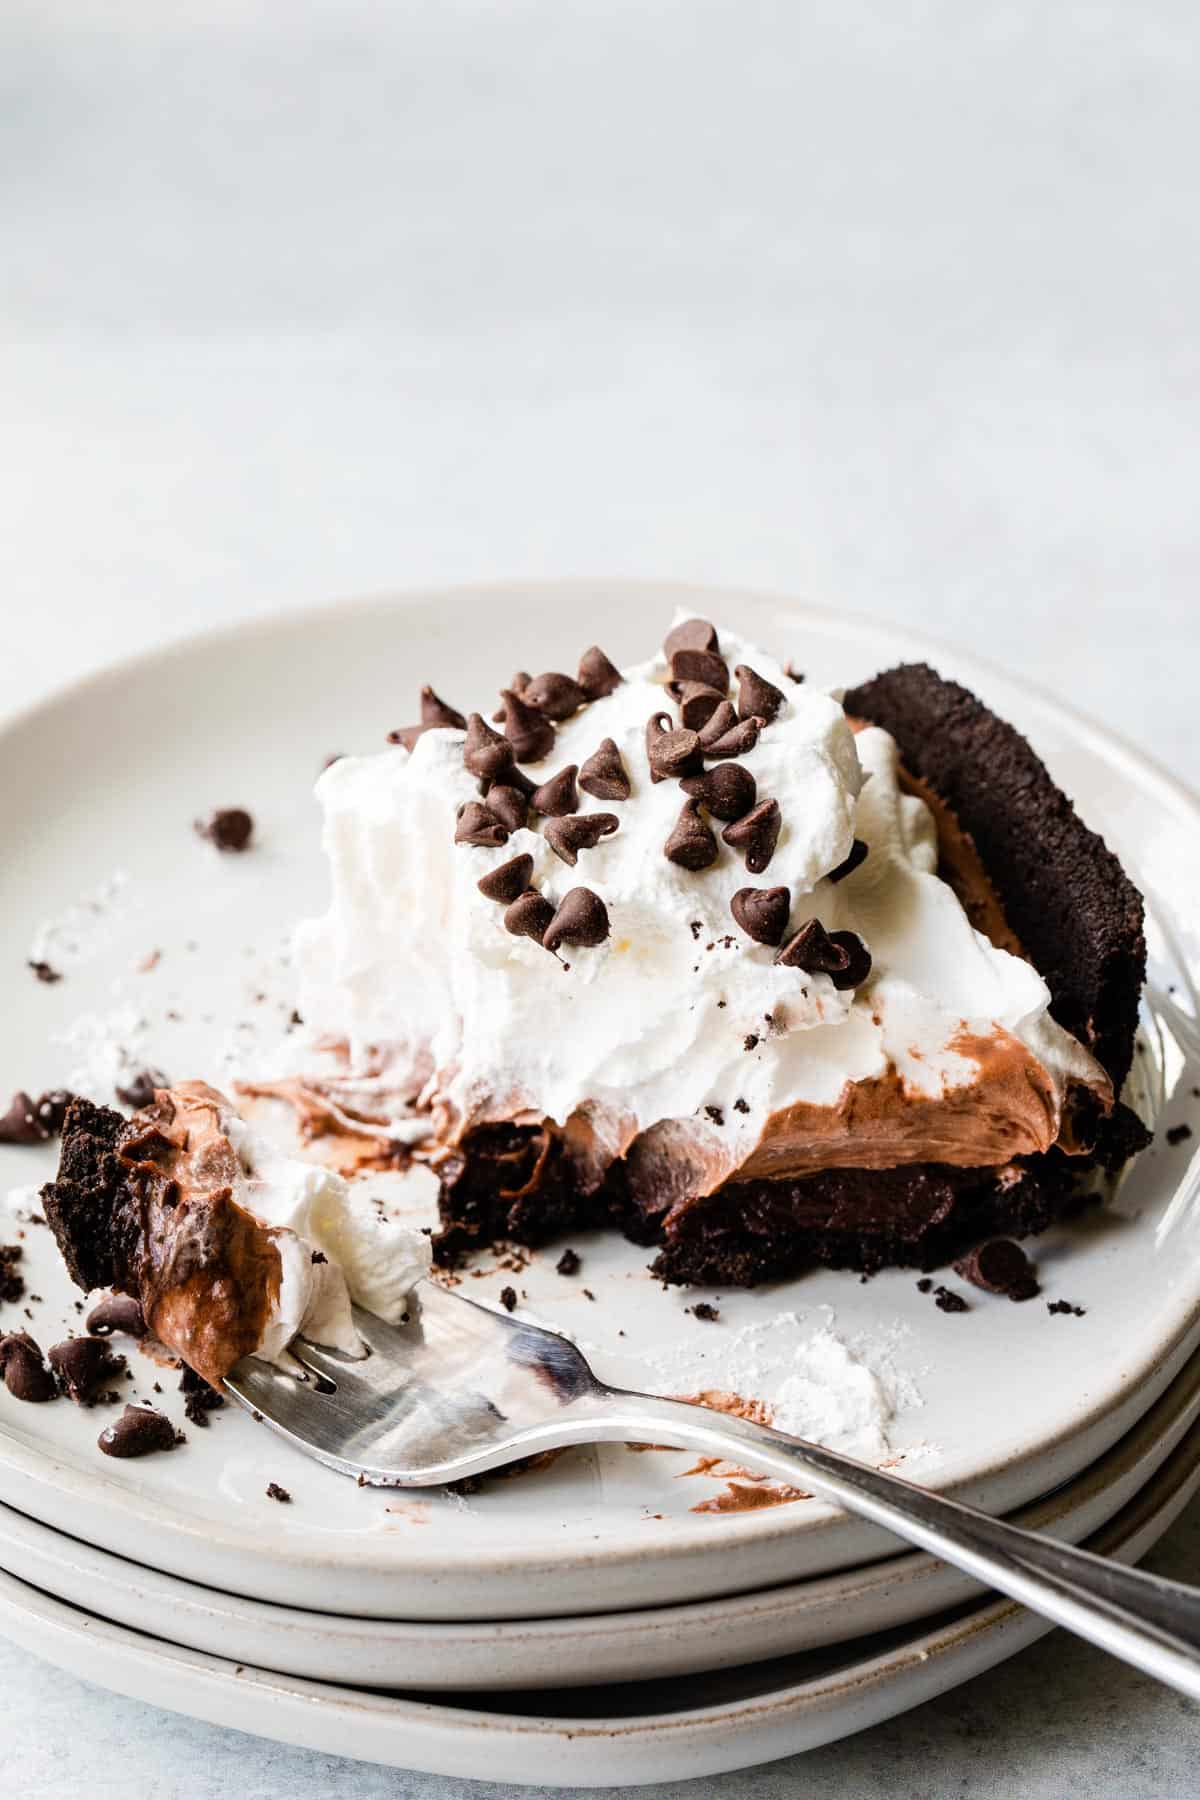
[460, 1389]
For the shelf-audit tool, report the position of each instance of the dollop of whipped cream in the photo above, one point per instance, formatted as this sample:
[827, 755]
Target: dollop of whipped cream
[312, 1213]
[678, 1035]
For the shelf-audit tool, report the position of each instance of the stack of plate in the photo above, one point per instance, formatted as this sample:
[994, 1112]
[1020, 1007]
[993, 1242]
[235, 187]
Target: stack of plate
[602, 1620]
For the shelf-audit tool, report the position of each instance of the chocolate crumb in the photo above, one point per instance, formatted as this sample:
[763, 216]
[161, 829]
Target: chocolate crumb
[569, 1263]
[140, 1431]
[508, 1298]
[588, 1294]
[925, 1285]
[950, 1302]
[704, 1309]
[1064, 1306]
[1178, 1134]
[319, 1256]
[793, 673]
[715, 1114]
[12, 1286]
[230, 829]
[45, 971]
[275, 1492]
[740, 1106]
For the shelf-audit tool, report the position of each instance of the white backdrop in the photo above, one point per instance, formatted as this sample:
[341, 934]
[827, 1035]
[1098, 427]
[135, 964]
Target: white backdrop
[889, 305]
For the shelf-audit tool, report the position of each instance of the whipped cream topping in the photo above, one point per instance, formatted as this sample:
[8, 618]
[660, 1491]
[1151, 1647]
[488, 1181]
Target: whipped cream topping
[678, 1036]
[369, 1259]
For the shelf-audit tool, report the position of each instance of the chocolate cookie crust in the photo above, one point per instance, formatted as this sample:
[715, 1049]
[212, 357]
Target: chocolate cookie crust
[1064, 893]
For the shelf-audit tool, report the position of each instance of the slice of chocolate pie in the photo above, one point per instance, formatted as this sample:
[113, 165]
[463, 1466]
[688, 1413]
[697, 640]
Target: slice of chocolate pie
[762, 977]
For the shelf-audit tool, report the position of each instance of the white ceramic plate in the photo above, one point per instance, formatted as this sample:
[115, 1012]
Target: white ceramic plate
[1002, 1403]
[622, 1737]
[593, 1648]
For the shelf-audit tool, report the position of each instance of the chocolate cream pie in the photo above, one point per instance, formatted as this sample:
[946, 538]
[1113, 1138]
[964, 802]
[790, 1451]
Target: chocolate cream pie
[760, 976]
[763, 977]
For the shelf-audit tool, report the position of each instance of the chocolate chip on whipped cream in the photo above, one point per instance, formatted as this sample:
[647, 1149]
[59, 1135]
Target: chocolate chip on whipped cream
[437, 716]
[604, 775]
[697, 703]
[507, 805]
[757, 697]
[691, 634]
[598, 677]
[670, 752]
[579, 831]
[555, 798]
[702, 667]
[762, 914]
[841, 955]
[476, 825]
[529, 732]
[692, 843]
[580, 918]
[728, 792]
[529, 915]
[858, 855]
[485, 752]
[508, 881]
[555, 695]
[756, 835]
[738, 740]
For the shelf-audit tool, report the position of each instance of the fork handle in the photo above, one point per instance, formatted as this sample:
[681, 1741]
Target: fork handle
[1147, 1621]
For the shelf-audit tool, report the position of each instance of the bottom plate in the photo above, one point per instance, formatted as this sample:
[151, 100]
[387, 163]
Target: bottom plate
[620, 1737]
[588, 1650]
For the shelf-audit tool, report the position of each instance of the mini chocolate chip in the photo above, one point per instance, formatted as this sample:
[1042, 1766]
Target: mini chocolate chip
[485, 752]
[762, 914]
[697, 704]
[407, 735]
[84, 1365]
[555, 695]
[20, 1124]
[529, 915]
[702, 666]
[704, 1309]
[690, 634]
[508, 882]
[508, 1298]
[51, 1110]
[119, 1312]
[25, 1374]
[858, 854]
[758, 698]
[1000, 1267]
[230, 828]
[569, 1263]
[692, 843]
[46, 971]
[603, 775]
[558, 796]
[528, 731]
[671, 753]
[437, 716]
[579, 831]
[729, 792]
[275, 1492]
[581, 918]
[597, 675]
[739, 740]
[723, 718]
[476, 825]
[507, 805]
[756, 835]
[139, 1431]
[140, 1089]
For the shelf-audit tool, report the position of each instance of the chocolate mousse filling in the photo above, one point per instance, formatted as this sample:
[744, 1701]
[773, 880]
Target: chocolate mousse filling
[885, 1176]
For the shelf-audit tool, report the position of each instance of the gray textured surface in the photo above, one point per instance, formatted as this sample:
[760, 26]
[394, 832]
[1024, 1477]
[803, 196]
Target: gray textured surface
[890, 305]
